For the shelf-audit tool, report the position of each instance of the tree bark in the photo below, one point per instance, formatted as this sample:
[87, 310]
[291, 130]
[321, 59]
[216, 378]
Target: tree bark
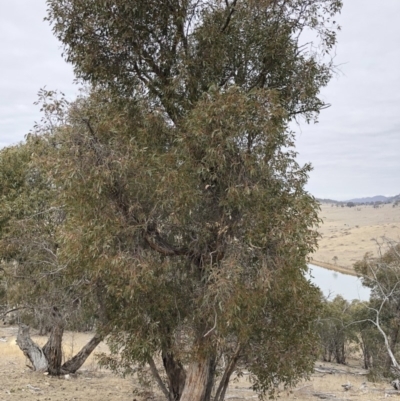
[199, 380]
[52, 349]
[176, 375]
[393, 341]
[72, 365]
[31, 350]
[223, 385]
[395, 365]
[157, 377]
[211, 377]
[366, 352]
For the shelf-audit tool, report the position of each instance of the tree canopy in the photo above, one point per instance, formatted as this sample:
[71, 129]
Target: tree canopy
[184, 205]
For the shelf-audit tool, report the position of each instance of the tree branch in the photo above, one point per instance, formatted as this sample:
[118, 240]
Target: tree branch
[228, 18]
[73, 364]
[223, 384]
[157, 243]
[158, 379]
[4, 314]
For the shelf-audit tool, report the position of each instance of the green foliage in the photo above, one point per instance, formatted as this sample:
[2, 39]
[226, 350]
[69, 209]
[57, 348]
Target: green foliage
[373, 326]
[367, 337]
[177, 50]
[33, 278]
[382, 275]
[345, 328]
[334, 331]
[187, 236]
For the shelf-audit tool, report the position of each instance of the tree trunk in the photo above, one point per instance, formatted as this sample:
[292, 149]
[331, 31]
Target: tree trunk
[340, 354]
[223, 385]
[176, 375]
[212, 367]
[31, 350]
[367, 358]
[48, 358]
[366, 352]
[53, 350]
[72, 365]
[159, 380]
[199, 380]
[393, 341]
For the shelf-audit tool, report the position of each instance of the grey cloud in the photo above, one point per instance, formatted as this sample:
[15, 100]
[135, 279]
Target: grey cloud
[355, 147]
[30, 58]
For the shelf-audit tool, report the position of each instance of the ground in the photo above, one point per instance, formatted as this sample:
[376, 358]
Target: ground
[348, 233]
[18, 382]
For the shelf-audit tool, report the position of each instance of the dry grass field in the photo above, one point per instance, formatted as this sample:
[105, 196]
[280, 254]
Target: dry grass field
[348, 233]
[18, 382]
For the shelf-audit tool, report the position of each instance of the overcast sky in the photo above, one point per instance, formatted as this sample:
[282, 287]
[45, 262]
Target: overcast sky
[355, 147]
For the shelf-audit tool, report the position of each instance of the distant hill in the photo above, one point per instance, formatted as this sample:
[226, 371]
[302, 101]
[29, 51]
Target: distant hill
[370, 199]
[327, 200]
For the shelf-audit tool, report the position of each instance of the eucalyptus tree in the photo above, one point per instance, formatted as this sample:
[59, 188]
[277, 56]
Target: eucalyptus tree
[37, 287]
[367, 337]
[342, 325]
[333, 330]
[186, 205]
[28, 224]
[382, 275]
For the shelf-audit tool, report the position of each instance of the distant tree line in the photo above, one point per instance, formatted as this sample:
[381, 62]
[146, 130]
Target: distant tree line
[370, 328]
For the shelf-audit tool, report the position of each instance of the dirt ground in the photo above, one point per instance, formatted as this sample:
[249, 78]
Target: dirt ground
[348, 233]
[18, 382]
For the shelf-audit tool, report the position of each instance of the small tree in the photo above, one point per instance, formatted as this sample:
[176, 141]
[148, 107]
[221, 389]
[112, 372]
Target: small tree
[334, 331]
[36, 284]
[382, 275]
[367, 336]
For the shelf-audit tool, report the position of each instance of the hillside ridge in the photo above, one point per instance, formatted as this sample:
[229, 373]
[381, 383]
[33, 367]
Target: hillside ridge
[368, 199]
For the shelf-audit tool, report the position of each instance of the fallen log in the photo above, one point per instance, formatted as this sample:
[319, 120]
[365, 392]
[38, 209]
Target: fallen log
[331, 371]
[324, 396]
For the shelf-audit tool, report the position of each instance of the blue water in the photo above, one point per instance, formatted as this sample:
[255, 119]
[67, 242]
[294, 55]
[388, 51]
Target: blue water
[333, 283]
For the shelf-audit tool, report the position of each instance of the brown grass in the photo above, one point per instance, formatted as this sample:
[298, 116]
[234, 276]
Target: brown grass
[348, 233]
[18, 382]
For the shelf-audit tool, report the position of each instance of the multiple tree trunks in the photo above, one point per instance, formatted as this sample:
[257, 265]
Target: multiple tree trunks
[196, 385]
[223, 385]
[49, 358]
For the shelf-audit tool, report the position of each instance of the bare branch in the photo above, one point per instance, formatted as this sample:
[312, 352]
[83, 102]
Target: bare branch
[212, 328]
[4, 314]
